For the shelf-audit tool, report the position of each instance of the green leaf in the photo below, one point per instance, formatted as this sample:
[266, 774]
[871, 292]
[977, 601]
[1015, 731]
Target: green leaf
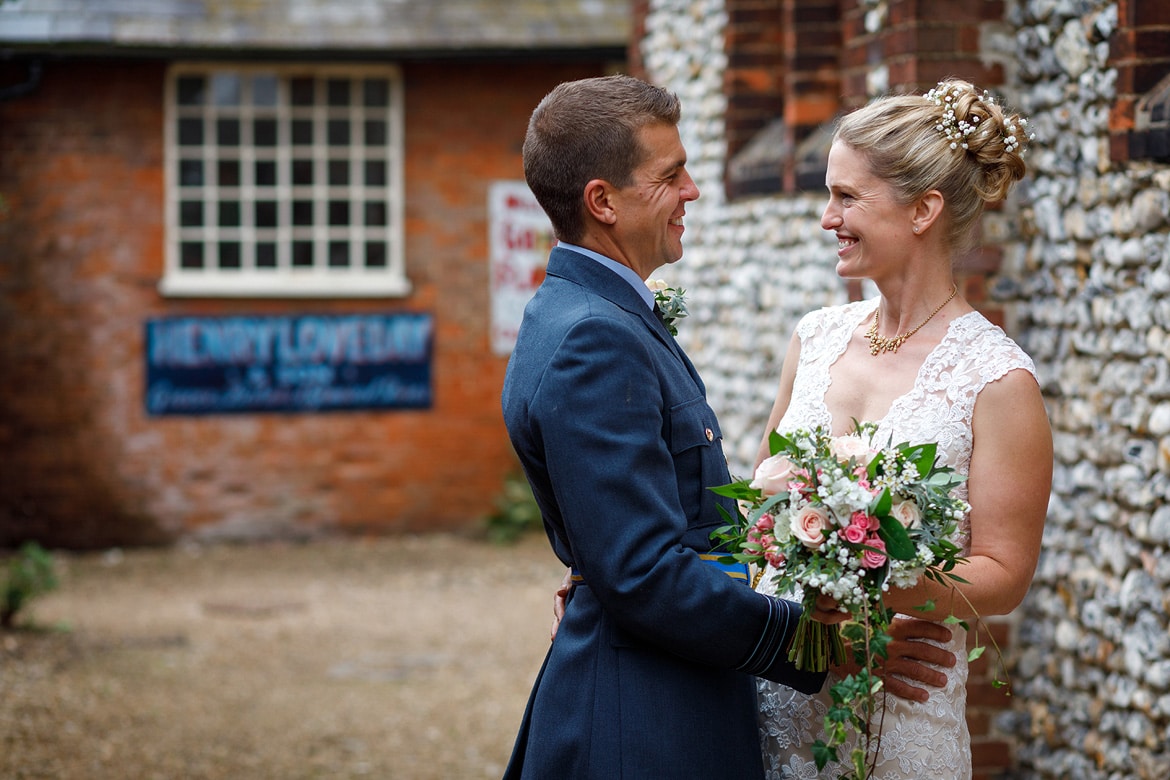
[737, 490]
[823, 754]
[975, 653]
[778, 442]
[898, 543]
[880, 506]
[924, 458]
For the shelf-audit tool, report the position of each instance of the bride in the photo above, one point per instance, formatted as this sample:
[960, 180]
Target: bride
[908, 178]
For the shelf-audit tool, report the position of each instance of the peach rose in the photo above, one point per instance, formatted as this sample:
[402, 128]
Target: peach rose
[846, 447]
[809, 526]
[773, 475]
[907, 513]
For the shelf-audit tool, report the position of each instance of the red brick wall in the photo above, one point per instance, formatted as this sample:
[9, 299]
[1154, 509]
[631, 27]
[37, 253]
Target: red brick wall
[1140, 51]
[81, 253]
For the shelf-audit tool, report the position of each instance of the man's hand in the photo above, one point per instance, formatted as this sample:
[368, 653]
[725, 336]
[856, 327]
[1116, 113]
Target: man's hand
[827, 611]
[559, 603]
[915, 660]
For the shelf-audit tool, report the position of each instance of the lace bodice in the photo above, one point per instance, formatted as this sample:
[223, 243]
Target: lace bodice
[918, 740]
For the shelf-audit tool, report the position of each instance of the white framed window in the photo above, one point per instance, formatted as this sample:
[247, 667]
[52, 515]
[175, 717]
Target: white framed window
[284, 181]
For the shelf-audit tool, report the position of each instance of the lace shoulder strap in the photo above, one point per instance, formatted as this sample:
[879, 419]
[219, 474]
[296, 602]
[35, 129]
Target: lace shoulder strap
[973, 354]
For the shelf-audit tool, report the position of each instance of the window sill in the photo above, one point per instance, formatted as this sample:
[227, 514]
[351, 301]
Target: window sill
[307, 285]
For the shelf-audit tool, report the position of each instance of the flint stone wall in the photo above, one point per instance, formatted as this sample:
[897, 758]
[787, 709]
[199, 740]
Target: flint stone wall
[1085, 283]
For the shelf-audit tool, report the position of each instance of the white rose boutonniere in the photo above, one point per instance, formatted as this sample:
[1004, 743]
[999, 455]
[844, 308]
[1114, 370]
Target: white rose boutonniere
[671, 302]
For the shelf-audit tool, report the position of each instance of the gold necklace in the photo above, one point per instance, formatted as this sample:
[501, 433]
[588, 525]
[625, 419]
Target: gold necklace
[878, 345]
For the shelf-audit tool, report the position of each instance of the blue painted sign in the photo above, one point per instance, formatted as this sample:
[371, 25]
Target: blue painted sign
[308, 363]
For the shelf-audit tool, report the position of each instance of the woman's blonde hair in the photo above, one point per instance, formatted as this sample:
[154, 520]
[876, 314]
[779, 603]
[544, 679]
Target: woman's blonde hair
[954, 139]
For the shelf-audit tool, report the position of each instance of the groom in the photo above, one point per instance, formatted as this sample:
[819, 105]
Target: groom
[651, 671]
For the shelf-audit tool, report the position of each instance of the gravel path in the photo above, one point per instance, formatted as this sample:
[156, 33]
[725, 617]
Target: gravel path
[407, 658]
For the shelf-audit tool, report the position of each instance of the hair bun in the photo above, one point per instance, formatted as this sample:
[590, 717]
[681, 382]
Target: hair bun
[975, 123]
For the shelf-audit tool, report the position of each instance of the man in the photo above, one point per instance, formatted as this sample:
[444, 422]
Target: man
[651, 671]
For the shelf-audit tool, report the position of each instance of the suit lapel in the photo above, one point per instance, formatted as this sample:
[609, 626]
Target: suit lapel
[592, 275]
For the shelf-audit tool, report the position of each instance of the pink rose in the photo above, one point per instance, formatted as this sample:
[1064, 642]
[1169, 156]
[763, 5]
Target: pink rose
[773, 556]
[907, 513]
[855, 534]
[772, 475]
[872, 559]
[809, 526]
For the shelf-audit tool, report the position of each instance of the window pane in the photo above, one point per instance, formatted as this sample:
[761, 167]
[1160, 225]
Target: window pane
[302, 172]
[229, 254]
[191, 254]
[191, 90]
[302, 213]
[191, 213]
[190, 132]
[302, 254]
[375, 132]
[229, 173]
[338, 212]
[338, 172]
[375, 173]
[266, 213]
[264, 132]
[225, 89]
[302, 132]
[338, 91]
[301, 91]
[375, 213]
[266, 173]
[190, 173]
[229, 214]
[338, 254]
[266, 255]
[264, 89]
[227, 132]
[338, 132]
[376, 92]
[375, 254]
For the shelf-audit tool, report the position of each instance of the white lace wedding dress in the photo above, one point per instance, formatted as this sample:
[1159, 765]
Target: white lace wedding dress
[918, 740]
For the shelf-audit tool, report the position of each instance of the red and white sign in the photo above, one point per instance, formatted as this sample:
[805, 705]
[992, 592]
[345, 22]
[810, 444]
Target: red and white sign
[520, 239]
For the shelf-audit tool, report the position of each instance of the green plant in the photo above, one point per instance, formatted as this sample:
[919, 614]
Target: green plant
[30, 574]
[516, 512]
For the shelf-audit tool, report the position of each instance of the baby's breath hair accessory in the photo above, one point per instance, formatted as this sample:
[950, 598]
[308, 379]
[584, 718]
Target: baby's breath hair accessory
[955, 131]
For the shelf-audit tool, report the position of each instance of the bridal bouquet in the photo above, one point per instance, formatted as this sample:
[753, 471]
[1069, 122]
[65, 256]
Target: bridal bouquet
[847, 517]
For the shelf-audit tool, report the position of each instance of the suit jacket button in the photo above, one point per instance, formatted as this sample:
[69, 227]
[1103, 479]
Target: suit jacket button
[710, 435]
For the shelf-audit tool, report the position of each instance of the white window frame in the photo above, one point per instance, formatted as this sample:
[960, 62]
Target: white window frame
[315, 273]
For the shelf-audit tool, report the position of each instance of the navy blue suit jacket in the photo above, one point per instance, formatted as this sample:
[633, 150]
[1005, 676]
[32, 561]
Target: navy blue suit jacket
[651, 671]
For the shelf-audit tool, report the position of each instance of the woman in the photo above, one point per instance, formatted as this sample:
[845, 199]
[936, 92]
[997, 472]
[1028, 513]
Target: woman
[908, 177]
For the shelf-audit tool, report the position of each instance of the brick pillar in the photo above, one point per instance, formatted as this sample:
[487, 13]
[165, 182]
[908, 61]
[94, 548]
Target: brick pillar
[754, 79]
[1140, 51]
[812, 45]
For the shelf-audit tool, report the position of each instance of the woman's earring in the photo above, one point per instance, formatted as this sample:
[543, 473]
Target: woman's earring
[915, 228]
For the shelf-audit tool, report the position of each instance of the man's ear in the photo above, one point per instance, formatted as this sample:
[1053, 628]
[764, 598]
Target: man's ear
[599, 201]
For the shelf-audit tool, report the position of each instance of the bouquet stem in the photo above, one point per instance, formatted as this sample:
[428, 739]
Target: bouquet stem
[815, 647]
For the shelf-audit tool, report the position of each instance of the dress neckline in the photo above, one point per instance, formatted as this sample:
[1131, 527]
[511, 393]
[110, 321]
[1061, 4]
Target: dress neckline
[865, 311]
